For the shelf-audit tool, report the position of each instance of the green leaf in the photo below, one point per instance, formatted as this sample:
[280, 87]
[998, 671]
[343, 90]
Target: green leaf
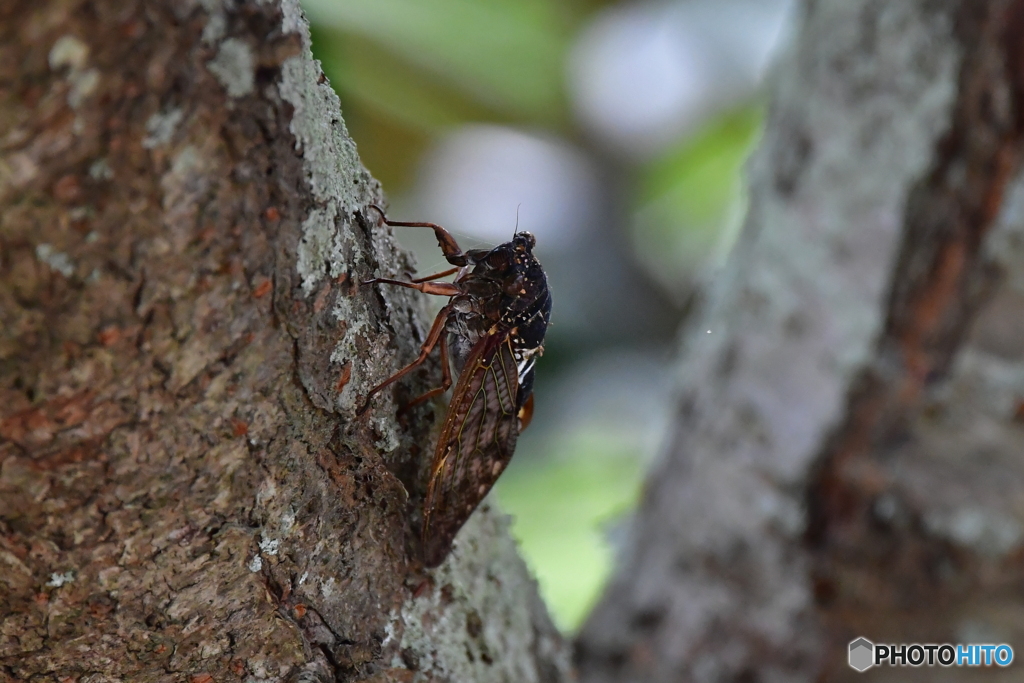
[505, 55]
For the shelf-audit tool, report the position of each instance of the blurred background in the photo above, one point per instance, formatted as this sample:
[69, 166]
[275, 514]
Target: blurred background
[616, 132]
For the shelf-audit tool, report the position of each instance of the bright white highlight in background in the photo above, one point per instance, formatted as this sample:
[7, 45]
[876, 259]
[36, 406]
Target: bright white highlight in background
[474, 180]
[644, 75]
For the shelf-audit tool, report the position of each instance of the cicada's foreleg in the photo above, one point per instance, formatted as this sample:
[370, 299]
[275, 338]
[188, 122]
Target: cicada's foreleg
[446, 379]
[449, 247]
[436, 288]
[436, 330]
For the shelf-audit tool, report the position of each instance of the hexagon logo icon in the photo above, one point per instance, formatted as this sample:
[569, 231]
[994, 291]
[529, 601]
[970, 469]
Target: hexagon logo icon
[862, 654]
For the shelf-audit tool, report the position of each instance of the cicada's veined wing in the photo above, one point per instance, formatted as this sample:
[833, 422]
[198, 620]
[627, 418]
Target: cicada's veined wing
[476, 442]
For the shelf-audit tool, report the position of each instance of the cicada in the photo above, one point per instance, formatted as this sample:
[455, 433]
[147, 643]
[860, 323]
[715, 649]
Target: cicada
[490, 334]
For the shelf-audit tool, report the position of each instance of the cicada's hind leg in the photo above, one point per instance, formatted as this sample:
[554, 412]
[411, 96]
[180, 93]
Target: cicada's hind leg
[436, 330]
[449, 247]
[446, 379]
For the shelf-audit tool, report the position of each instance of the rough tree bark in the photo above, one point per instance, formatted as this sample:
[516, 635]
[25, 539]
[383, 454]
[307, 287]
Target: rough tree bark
[847, 459]
[185, 490]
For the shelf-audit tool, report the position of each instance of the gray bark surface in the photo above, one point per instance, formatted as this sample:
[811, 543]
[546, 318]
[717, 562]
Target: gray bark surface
[847, 456]
[186, 492]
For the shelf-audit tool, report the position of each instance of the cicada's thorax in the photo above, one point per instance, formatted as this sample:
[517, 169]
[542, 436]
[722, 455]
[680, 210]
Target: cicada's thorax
[504, 289]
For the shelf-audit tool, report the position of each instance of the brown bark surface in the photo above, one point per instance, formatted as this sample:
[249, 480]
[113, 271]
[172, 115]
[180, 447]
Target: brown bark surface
[186, 492]
[847, 459]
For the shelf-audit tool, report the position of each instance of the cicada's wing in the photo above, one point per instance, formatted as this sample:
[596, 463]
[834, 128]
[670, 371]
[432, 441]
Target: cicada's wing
[476, 442]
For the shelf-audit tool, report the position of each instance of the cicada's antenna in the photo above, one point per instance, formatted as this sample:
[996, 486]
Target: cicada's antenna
[516, 231]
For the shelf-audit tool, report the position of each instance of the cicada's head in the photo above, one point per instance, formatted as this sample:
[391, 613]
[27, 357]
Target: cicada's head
[524, 242]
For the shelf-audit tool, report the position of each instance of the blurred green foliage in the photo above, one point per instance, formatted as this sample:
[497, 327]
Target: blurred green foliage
[516, 69]
[695, 179]
[409, 69]
[564, 504]
[688, 196]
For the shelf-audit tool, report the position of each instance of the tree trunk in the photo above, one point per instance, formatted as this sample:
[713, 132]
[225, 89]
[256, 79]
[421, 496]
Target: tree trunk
[186, 491]
[847, 455]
